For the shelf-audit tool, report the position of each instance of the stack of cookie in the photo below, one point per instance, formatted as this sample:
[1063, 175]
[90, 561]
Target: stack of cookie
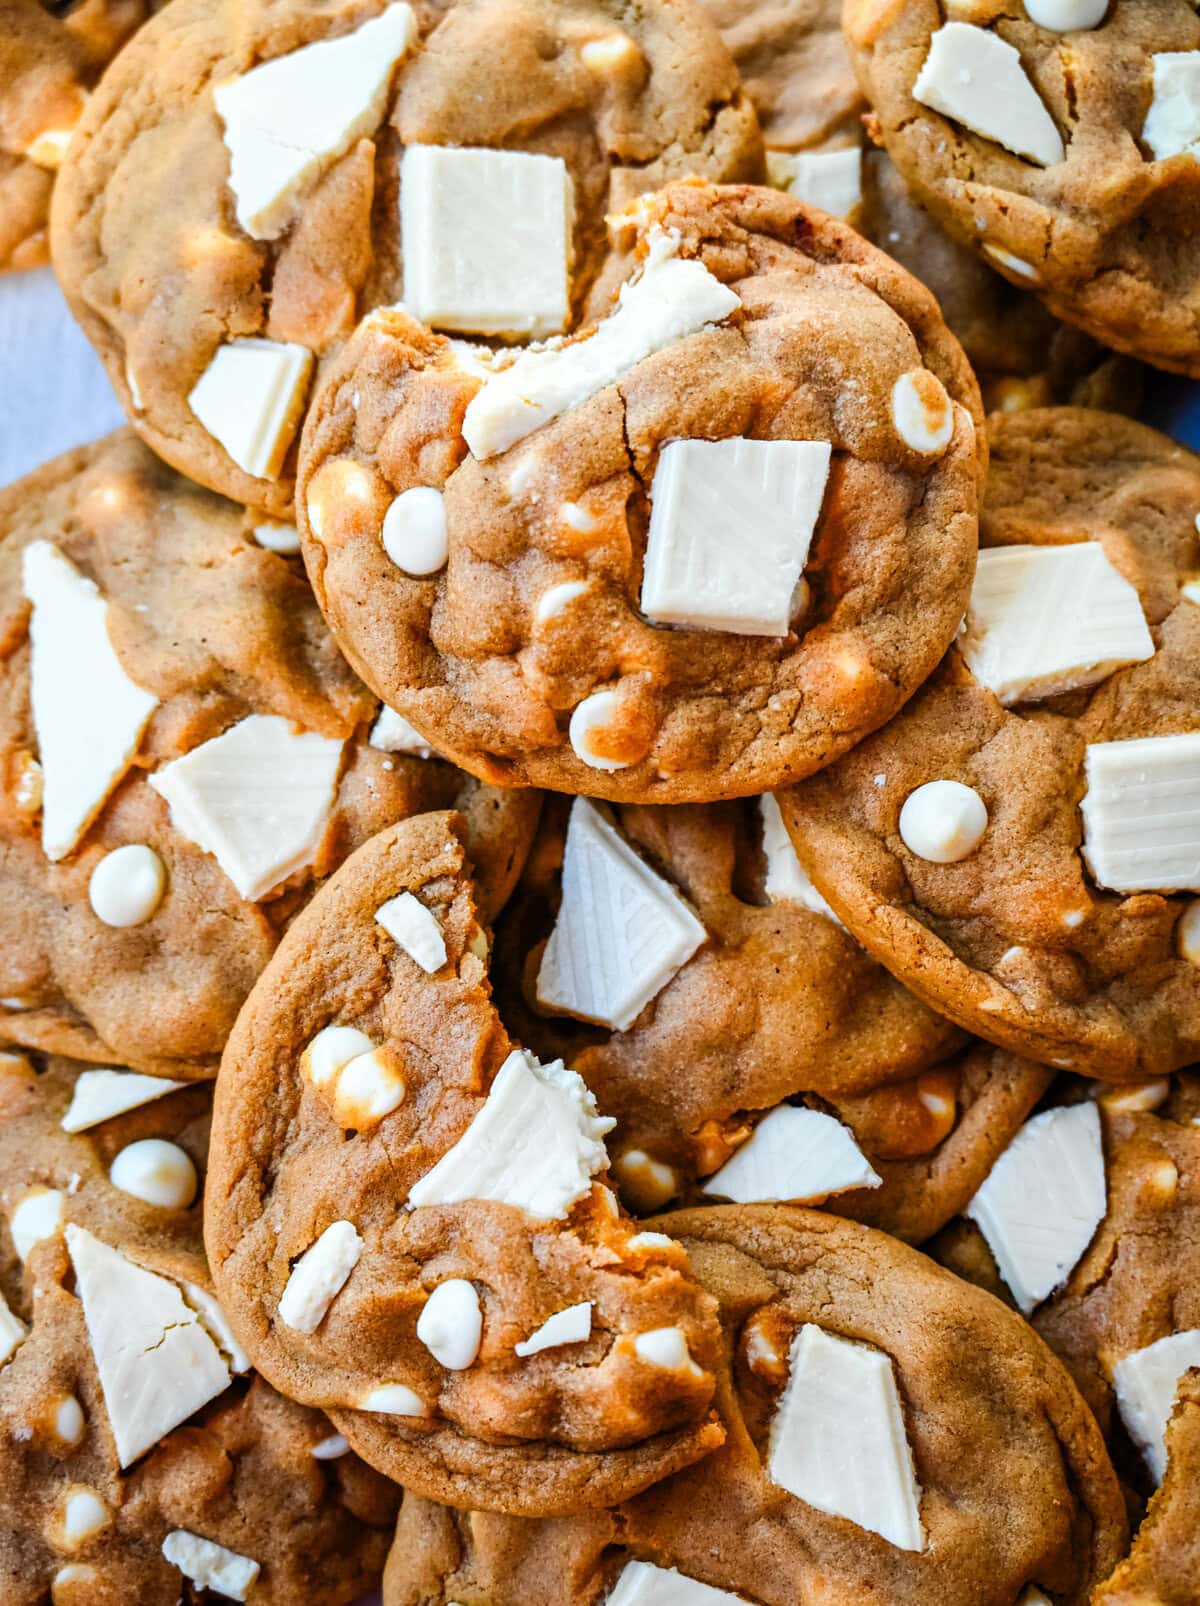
[601, 808]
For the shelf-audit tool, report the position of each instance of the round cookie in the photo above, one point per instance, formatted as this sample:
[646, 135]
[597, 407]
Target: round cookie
[111, 1492]
[124, 938]
[1073, 177]
[774, 1001]
[202, 206]
[1027, 894]
[764, 364]
[1014, 1489]
[400, 1199]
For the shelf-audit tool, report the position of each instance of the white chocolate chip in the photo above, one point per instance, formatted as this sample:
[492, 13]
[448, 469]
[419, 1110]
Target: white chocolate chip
[570, 1326]
[594, 713]
[665, 1347]
[978, 79]
[647, 1183]
[414, 531]
[922, 412]
[451, 1324]
[84, 1514]
[38, 1215]
[611, 51]
[555, 599]
[415, 929]
[331, 1449]
[13, 1332]
[69, 1423]
[330, 1049]
[127, 885]
[158, 1172]
[276, 537]
[392, 733]
[368, 1088]
[943, 821]
[1066, 16]
[393, 1399]
[786, 880]
[576, 517]
[644, 1241]
[319, 1276]
[1187, 933]
[1008, 263]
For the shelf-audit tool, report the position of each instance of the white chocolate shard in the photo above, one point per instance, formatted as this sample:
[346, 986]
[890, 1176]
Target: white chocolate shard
[570, 1326]
[731, 522]
[88, 714]
[794, 1154]
[1043, 1200]
[1141, 813]
[209, 1565]
[1172, 126]
[1044, 620]
[831, 180]
[1145, 1384]
[393, 1399]
[13, 1332]
[622, 932]
[257, 798]
[216, 1325]
[319, 1276]
[787, 881]
[838, 1439]
[250, 399]
[976, 78]
[536, 1143]
[392, 733]
[414, 928]
[643, 1584]
[100, 1095]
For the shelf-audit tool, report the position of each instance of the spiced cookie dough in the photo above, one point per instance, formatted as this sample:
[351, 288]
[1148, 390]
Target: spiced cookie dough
[407, 1212]
[692, 553]
[141, 1459]
[644, 939]
[1020, 846]
[1059, 141]
[185, 756]
[894, 1435]
[214, 236]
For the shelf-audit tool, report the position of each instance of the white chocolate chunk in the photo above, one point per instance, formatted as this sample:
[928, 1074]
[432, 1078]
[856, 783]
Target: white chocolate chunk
[415, 928]
[643, 1584]
[127, 885]
[622, 932]
[943, 821]
[38, 1215]
[319, 1276]
[393, 1399]
[487, 238]
[1145, 1384]
[1044, 620]
[209, 1565]
[731, 522]
[391, 733]
[156, 1362]
[1008, 263]
[275, 537]
[1187, 933]
[291, 118]
[88, 714]
[794, 1154]
[922, 412]
[838, 1440]
[100, 1095]
[666, 1348]
[594, 713]
[1172, 125]
[331, 1449]
[555, 599]
[216, 1324]
[414, 531]
[250, 398]
[1032, 1596]
[976, 78]
[1141, 813]
[157, 1172]
[787, 880]
[1066, 16]
[13, 1332]
[831, 180]
[256, 798]
[671, 299]
[1043, 1200]
[570, 1326]
[451, 1324]
[536, 1143]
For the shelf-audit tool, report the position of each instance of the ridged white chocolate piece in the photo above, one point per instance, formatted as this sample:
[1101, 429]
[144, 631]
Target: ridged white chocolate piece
[1141, 813]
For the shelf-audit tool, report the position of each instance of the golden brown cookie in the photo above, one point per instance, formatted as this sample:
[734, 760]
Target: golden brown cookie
[185, 756]
[582, 606]
[767, 999]
[203, 206]
[401, 1199]
[1009, 846]
[1057, 141]
[141, 1458]
[856, 1376]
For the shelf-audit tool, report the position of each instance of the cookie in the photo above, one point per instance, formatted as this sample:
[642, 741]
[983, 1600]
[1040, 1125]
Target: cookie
[405, 1209]
[466, 155]
[500, 547]
[774, 1001]
[142, 1459]
[1008, 846]
[186, 755]
[894, 1435]
[1073, 170]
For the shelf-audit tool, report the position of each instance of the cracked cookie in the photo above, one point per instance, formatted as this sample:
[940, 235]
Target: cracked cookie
[694, 552]
[641, 940]
[1020, 846]
[142, 1459]
[214, 235]
[1059, 141]
[894, 1435]
[405, 1210]
[185, 756]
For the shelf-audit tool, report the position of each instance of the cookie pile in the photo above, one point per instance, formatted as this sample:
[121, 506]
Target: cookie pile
[600, 808]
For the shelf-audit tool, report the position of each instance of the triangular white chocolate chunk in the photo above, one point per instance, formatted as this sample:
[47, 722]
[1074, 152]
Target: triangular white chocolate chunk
[794, 1154]
[1145, 1384]
[643, 1584]
[100, 1095]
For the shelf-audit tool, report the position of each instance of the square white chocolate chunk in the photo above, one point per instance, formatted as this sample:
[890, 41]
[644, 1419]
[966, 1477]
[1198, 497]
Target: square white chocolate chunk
[1141, 813]
[486, 236]
[1044, 620]
[1172, 124]
[831, 180]
[976, 78]
[1145, 1384]
[622, 932]
[288, 120]
[838, 1439]
[643, 1584]
[731, 523]
[250, 399]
